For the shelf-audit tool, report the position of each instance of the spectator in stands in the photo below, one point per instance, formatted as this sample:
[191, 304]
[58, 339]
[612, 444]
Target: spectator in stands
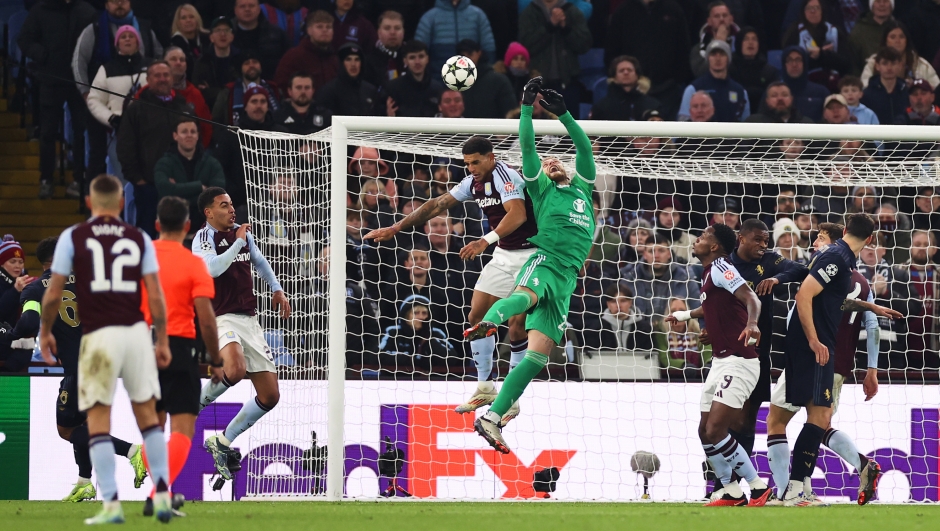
[925, 278]
[637, 233]
[217, 67]
[411, 276]
[492, 94]
[924, 19]
[680, 344]
[864, 199]
[186, 169]
[362, 259]
[384, 62]
[778, 106]
[852, 90]
[442, 26]
[896, 229]
[124, 73]
[289, 15]
[886, 94]
[176, 58]
[808, 97]
[587, 302]
[657, 34]
[927, 209]
[784, 207]
[868, 32]
[229, 104]
[366, 163]
[619, 322]
[786, 241]
[350, 26]
[254, 32]
[144, 136]
[448, 270]
[314, 55]
[836, 110]
[515, 66]
[728, 96]
[451, 105]
[556, 33]
[726, 210]
[750, 68]
[48, 38]
[922, 110]
[669, 222]
[624, 99]
[255, 116]
[189, 35]
[656, 279]
[791, 148]
[374, 205]
[701, 107]
[349, 94]
[719, 26]
[13, 279]
[912, 65]
[825, 43]
[416, 92]
[300, 114]
[415, 347]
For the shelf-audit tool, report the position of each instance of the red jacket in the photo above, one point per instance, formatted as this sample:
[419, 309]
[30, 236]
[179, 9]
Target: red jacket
[323, 65]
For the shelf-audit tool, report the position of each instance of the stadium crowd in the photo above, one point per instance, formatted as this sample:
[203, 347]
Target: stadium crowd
[129, 70]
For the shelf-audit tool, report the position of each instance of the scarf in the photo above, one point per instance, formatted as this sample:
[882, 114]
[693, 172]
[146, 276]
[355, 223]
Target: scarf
[105, 40]
[818, 36]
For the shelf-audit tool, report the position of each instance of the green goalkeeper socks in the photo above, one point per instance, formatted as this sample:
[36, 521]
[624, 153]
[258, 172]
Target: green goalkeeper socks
[512, 305]
[517, 380]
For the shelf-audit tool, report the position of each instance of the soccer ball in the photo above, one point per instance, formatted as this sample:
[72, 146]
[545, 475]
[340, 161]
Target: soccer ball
[459, 73]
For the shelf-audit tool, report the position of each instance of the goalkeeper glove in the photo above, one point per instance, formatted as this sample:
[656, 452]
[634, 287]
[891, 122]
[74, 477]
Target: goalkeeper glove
[553, 102]
[531, 89]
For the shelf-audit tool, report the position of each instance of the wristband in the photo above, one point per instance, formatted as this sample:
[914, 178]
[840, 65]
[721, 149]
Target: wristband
[682, 315]
[396, 227]
[216, 365]
[491, 237]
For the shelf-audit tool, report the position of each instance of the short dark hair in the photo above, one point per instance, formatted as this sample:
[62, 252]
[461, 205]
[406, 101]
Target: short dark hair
[752, 225]
[45, 249]
[889, 54]
[851, 81]
[860, 225]
[391, 15]
[412, 46]
[186, 119]
[156, 62]
[172, 212]
[618, 289]
[774, 84]
[207, 197]
[477, 144]
[658, 238]
[833, 230]
[725, 236]
[713, 5]
[612, 69]
[295, 75]
[105, 184]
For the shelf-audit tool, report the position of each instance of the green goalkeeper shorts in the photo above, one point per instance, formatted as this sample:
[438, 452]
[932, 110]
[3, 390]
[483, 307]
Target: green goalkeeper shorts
[554, 283]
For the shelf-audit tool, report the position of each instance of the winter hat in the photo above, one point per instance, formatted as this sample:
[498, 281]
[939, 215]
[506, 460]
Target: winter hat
[718, 45]
[253, 89]
[350, 48]
[10, 248]
[515, 49]
[124, 29]
[784, 226]
[872, 2]
[410, 302]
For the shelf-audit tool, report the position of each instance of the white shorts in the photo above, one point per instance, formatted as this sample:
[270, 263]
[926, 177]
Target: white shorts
[730, 381]
[245, 330]
[779, 395]
[498, 278]
[116, 352]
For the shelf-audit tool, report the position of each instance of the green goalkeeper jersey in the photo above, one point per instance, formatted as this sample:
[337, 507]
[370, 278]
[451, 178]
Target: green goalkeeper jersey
[564, 213]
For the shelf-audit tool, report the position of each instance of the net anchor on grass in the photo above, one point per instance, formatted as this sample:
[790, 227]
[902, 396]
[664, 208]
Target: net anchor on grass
[391, 463]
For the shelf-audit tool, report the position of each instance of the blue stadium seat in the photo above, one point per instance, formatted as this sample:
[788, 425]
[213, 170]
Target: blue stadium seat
[130, 209]
[8, 7]
[775, 59]
[599, 89]
[585, 109]
[275, 340]
[592, 66]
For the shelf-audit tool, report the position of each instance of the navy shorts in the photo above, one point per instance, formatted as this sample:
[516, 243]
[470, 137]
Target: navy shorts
[179, 383]
[761, 392]
[67, 414]
[809, 383]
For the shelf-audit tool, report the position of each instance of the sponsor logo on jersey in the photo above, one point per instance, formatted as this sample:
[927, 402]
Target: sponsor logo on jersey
[579, 205]
[488, 188]
[489, 201]
[509, 187]
[729, 275]
[223, 243]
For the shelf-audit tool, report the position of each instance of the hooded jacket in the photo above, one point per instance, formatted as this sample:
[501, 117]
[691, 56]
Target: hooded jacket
[754, 73]
[554, 50]
[808, 97]
[49, 34]
[271, 45]
[348, 96]
[444, 25]
[416, 98]
[652, 294]
[621, 104]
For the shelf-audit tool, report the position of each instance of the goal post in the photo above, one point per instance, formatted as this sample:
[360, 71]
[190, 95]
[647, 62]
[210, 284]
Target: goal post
[628, 401]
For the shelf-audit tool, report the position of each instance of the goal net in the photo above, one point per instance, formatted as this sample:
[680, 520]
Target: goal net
[372, 359]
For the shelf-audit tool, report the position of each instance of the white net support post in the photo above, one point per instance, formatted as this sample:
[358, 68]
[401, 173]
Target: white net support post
[608, 394]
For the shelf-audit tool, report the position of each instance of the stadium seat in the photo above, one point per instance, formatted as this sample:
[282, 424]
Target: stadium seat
[599, 89]
[275, 340]
[592, 67]
[585, 109]
[775, 59]
[9, 7]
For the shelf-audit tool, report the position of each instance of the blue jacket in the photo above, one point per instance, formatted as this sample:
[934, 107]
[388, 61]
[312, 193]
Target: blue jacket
[651, 294]
[863, 115]
[886, 106]
[730, 98]
[808, 97]
[584, 5]
[444, 25]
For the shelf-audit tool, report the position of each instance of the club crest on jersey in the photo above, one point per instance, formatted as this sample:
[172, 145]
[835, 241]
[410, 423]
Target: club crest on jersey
[828, 395]
[729, 275]
[488, 188]
[579, 205]
[63, 396]
[230, 334]
[760, 270]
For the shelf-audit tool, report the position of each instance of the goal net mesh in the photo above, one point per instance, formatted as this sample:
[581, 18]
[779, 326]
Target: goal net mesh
[621, 381]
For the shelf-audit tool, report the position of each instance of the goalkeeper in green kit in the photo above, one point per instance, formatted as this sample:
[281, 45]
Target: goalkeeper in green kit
[565, 217]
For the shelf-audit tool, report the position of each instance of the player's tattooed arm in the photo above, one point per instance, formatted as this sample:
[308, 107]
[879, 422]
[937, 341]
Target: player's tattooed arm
[856, 305]
[158, 318]
[419, 217]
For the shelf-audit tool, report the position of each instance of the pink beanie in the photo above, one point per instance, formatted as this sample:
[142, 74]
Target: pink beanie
[513, 50]
[124, 29]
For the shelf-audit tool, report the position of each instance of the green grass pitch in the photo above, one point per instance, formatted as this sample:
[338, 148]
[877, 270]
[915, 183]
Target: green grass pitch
[445, 516]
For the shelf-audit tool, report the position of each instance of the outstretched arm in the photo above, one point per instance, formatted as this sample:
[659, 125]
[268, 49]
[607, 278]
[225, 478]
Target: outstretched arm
[531, 165]
[584, 160]
[417, 218]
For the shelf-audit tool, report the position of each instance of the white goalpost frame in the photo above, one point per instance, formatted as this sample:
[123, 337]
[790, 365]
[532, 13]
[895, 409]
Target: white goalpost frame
[342, 126]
